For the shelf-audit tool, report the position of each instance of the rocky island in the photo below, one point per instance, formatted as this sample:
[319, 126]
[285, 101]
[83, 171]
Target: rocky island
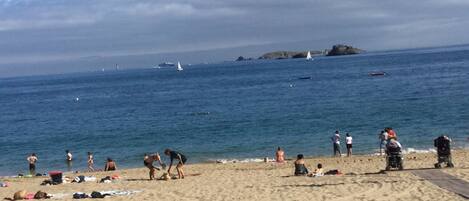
[338, 50]
[288, 54]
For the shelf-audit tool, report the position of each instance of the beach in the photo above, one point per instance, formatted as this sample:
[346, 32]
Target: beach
[362, 179]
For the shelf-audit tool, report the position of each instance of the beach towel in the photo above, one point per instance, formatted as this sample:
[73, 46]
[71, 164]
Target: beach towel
[117, 192]
[333, 172]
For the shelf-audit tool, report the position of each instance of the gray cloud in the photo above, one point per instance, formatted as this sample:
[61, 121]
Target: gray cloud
[40, 30]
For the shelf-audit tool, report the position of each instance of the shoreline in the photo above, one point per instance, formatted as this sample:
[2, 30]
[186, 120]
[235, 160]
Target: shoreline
[254, 161]
[363, 178]
[405, 151]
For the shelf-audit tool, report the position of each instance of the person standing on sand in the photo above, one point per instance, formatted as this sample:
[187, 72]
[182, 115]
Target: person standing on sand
[348, 143]
[391, 133]
[383, 138]
[336, 143]
[182, 160]
[280, 155]
[148, 162]
[110, 165]
[32, 159]
[90, 162]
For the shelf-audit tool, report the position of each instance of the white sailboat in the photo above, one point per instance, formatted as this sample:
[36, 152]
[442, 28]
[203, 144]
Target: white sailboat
[179, 68]
[309, 57]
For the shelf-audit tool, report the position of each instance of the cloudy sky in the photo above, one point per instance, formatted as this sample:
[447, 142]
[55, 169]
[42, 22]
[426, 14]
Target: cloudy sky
[35, 31]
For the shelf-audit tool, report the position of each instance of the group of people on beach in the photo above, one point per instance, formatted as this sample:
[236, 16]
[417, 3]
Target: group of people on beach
[110, 164]
[148, 161]
[385, 136]
[336, 144]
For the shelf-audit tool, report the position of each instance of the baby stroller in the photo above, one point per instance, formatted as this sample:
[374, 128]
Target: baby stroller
[394, 156]
[443, 148]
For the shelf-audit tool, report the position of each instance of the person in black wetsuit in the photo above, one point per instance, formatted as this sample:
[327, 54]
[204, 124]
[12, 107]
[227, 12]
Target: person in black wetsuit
[182, 160]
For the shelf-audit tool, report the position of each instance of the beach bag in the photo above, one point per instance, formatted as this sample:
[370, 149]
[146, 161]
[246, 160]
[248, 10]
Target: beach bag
[56, 177]
[96, 194]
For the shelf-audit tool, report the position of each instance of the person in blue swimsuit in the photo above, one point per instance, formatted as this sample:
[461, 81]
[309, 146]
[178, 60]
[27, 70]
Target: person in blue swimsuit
[180, 157]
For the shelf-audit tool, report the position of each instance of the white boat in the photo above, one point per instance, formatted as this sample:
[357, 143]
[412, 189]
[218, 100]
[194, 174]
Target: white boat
[179, 68]
[308, 56]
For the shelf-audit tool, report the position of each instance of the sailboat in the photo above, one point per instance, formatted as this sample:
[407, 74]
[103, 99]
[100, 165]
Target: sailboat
[309, 57]
[179, 68]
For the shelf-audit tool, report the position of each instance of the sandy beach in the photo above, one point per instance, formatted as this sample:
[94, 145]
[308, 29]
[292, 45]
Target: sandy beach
[362, 180]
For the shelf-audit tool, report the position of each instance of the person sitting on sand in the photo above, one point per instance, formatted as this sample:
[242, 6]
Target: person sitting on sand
[318, 171]
[182, 160]
[90, 161]
[300, 168]
[32, 159]
[280, 155]
[148, 161]
[110, 165]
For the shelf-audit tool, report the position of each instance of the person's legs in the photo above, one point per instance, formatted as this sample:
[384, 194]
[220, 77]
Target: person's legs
[334, 149]
[32, 169]
[338, 149]
[180, 171]
[152, 173]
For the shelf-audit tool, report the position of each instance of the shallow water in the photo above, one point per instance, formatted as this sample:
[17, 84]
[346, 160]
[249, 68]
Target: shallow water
[234, 109]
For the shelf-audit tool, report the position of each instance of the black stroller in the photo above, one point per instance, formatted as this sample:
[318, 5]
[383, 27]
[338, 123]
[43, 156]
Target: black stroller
[443, 147]
[394, 156]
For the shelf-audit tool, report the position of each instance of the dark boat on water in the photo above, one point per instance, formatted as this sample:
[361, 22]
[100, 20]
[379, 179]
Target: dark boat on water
[377, 73]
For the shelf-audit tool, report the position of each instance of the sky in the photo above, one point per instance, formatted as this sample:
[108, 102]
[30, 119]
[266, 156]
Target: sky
[53, 36]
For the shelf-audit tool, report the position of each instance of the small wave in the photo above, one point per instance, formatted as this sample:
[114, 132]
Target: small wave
[246, 160]
[411, 150]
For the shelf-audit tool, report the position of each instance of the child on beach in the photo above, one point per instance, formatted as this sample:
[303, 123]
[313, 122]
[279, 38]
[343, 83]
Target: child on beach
[90, 162]
[300, 168]
[383, 137]
[32, 159]
[348, 142]
[318, 171]
[110, 165]
[280, 155]
[182, 160]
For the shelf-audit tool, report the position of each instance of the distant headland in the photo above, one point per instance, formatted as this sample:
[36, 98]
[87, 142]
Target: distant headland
[337, 50]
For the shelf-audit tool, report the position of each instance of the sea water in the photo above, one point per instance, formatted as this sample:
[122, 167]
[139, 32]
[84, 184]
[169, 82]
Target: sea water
[234, 110]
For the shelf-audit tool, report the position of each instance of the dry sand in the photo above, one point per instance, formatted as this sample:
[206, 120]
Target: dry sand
[268, 181]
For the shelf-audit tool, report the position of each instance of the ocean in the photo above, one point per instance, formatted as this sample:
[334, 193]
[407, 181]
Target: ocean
[235, 110]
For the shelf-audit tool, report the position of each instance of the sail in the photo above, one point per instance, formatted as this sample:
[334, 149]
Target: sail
[179, 67]
[308, 56]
